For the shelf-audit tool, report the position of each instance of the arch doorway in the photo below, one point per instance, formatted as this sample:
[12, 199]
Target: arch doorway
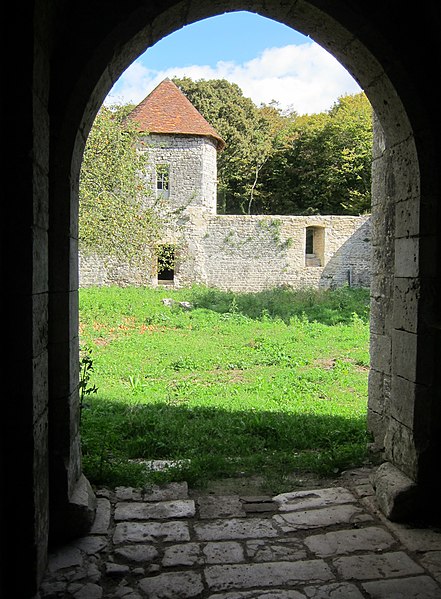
[71, 59]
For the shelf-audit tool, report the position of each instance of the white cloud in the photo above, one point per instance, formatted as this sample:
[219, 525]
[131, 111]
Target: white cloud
[303, 77]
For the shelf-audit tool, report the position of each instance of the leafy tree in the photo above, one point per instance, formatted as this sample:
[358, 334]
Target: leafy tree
[271, 141]
[250, 133]
[276, 163]
[114, 220]
[327, 168]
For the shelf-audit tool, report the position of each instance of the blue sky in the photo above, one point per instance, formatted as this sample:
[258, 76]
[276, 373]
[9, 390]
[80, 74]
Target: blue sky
[268, 60]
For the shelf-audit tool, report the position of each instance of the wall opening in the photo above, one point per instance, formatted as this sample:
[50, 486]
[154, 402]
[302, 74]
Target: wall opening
[314, 246]
[166, 264]
[163, 264]
[312, 239]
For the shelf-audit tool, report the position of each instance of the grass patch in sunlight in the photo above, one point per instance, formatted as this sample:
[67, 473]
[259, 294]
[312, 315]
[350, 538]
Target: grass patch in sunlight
[241, 384]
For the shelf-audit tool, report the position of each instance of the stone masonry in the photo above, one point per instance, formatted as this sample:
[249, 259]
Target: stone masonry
[69, 60]
[252, 253]
[234, 252]
[169, 543]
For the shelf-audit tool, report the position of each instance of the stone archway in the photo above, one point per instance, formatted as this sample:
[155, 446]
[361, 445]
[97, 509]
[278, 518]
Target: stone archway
[397, 355]
[72, 54]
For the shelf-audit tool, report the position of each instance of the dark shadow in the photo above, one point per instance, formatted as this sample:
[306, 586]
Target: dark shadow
[216, 442]
[351, 263]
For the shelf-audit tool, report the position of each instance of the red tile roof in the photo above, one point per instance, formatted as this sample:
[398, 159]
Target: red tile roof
[167, 110]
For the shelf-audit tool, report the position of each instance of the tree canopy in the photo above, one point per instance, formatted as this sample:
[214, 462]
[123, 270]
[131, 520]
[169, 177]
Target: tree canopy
[251, 134]
[327, 167]
[277, 163]
[114, 219]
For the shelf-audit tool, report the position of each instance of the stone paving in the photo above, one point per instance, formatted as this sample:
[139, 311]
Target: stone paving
[325, 543]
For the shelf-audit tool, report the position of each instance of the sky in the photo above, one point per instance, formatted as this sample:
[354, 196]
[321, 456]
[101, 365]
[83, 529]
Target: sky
[269, 61]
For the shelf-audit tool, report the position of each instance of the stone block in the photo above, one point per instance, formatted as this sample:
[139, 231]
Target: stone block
[407, 218]
[336, 590]
[184, 554]
[303, 500]
[220, 506]
[329, 516]
[137, 553]
[172, 585]
[418, 587]
[381, 352]
[260, 594]
[400, 450]
[167, 492]
[431, 560]
[82, 509]
[270, 551]
[235, 528]
[406, 396]
[380, 315]
[223, 552]
[406, 303]
[128, 494]
[404, 354]
[407, 257]
[417, 539]
[102, 517]
[273, 574]
[180, 508]
[385, 565]
[377, 391]
[396, 493]
[372, 538]
[141, 532]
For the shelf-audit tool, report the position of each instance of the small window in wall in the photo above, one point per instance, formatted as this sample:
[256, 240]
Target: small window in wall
[162, 180]
[166, 264]
[309, 241]
[314, 246]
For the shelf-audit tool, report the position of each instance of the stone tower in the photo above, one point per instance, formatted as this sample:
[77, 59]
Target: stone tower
[182, 148]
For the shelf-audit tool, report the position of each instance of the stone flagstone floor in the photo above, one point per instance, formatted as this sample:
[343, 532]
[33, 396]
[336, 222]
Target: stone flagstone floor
[325, 543]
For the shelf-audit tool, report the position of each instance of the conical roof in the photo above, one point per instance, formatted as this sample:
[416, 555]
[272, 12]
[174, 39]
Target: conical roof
[167, 110]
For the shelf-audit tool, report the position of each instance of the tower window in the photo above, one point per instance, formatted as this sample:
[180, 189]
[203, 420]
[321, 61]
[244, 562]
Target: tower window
[162, 179]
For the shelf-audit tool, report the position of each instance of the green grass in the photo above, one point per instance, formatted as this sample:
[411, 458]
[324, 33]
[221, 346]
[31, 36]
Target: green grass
[242, 384]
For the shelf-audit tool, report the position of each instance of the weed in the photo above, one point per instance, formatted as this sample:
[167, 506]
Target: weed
[86, 370]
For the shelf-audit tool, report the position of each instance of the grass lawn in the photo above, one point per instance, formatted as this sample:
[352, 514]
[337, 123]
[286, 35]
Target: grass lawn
[240, 384]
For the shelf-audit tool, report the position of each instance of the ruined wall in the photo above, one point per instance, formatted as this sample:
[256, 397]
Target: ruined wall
[238, 253]
[252, 253]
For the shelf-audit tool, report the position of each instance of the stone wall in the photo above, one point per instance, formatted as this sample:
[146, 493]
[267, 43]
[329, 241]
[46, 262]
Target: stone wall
[193, 168]
[238, 253]
[382, 292]
[243, 253]
[252, 253]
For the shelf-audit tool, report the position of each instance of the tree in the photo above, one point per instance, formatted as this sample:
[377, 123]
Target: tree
[276, 163]
[327, 168]
[249, 132]
[271, 139]
[114, 220]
